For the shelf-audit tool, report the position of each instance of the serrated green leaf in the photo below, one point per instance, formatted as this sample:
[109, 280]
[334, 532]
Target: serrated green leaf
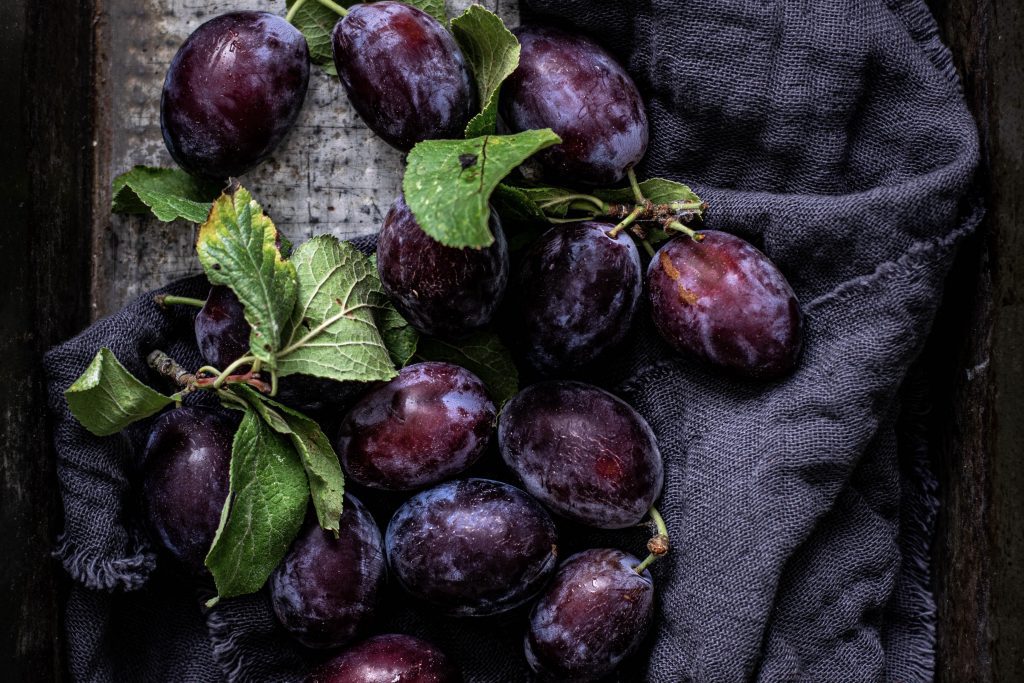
[106, 398]
[483, 354]
[238, 247]
[434, 8]
[448, 183]
[333, 329]
[323, 469]
[266, 503]
[316, 22]
[399, 336]
[516, 205]
[658, 190]
[167, 193]
[493, 54]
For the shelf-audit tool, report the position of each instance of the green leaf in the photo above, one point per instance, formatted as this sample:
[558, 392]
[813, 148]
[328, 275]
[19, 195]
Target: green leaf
[315, 22]
[238, 247]
[434, 8]
[333, 329]
[167, 193]
[493, 54]
[323, 469]
[399, 336]
[266, 503]
[658, 190]
[481, 353]
[107, 398]
[448, 183]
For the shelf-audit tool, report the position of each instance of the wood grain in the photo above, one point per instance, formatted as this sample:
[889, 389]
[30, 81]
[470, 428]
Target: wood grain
[331, 174]
[977, 361]
[46, 179]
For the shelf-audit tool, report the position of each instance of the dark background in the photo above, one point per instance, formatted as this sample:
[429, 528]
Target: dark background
[50, 66]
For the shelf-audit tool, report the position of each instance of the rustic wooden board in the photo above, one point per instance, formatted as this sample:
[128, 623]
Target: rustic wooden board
[977, 364]
[331, 175]
[77, 115]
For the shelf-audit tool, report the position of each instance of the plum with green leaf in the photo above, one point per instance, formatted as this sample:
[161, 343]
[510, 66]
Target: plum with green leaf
[572, 85]
[404, 73]
[232, 92]
[185, 480]
[442, 291]
[222, 334]
[325, 590]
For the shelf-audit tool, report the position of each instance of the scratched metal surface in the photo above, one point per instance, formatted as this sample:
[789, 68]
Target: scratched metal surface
[330, 175]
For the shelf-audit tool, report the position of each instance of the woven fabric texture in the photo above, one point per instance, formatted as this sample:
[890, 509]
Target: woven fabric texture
[834, 136]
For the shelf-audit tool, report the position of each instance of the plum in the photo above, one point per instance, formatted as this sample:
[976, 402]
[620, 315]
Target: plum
[723, 301]
[473, 547]
[428, 424]
[326, 588]
[388, 658]
[573, 86]
[185, 480]
[578, 291]
[404, 73]
[594, 615]
[232, 92]
[585, 454]
[442, 291]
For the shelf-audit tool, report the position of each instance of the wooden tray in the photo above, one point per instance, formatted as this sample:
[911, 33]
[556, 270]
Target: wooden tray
[81, 81]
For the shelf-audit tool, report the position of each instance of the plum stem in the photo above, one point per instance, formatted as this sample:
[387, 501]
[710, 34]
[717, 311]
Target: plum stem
[648, 248]
[598, 204]
[679, 227]
[294, 8]
[170, 300]
[171, 369]
[658, 545]
[627, 221]
[244, 360]
[334, 7]
[637, 192]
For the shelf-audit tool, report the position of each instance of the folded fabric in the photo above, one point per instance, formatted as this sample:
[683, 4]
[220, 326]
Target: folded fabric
[835, 137]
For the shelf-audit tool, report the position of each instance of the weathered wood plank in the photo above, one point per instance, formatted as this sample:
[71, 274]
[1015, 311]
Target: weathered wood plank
[45, 176]
[977, 356]
[331, 175]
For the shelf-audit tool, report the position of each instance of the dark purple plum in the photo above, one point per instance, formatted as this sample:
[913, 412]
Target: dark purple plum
[185, 480]
[232, 92]
[578, 290]
[404, 73]
[582, 452]
[426, 425]
[325, 590]
[473, 547]
[222, 334]
[593, 616]
[389, 658]
[573, 86]
[722, 300]
[442, 291]
[222, 331]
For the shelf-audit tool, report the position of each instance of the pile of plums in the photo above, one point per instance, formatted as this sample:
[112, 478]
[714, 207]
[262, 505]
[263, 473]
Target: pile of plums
[468, 547]
[236, 87]
[464, 546]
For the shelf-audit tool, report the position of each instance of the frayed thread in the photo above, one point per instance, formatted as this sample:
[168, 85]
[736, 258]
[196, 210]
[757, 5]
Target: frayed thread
[96, 572]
